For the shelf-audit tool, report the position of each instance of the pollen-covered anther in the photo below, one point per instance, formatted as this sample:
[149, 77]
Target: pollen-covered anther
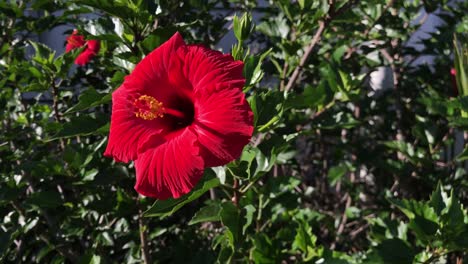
[148, 108]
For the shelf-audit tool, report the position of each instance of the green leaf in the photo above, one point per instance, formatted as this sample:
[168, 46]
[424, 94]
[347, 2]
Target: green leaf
[44, 55]
[305, 4]
[335, 257]
[437, 199]
[395, 251]
[325, 6]
[113, 8]
[312, 97]
[104, 239]
[463, 156]
[247, 165]
[5, 242]
[423, 219]
[263, 251]
[45, 199]
[44, 252]
[90, 174]
[163, 208]
[250, 210]
[89, 98]
[267, 108]
[209, 213]
[11, 9]
[461, 240]
[90, 259]
[230, 217]
[339, 120]
[220, 173]
[336, 173]
[35, 72]
[425, 229]
[161, 35]
[454, 217]
[404, 147]
[81, 126]
[338, 54]
[411, 208]
[253, 69]
[95, 260]
[225, 254]
[107, 37]
[460, 122]
[430, 5]
[305, 240]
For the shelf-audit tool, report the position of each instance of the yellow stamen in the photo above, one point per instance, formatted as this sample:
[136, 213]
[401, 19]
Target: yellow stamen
[148, 108]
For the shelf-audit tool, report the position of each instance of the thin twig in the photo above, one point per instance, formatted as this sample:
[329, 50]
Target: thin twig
[359, 230]
[349, 200]
[318, 34]
[283, 76]
[143, 228]
[67, 253]
[56, 234]
[394, 60]
[235, 197]
[344, 217]
[305, 57]
[55, 101]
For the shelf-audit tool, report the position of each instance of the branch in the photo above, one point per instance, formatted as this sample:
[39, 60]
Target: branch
[55, 101]
[235, 196]
[67, 253]
[322, 25]
[55, 233]
[306, 55]
[344, 216]
[143, 236]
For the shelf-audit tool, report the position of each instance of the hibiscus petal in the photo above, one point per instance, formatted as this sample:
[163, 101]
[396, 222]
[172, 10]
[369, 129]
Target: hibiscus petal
[93, 45]
[74, 41]
[130, 135]
[170, 170]
[156, 64]
[210, 70]
[84, 57]
[152, 72]
[224, 125]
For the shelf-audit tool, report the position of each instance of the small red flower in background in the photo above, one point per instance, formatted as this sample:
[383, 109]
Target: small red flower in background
[453, 77]
[75, 41]
[180, 111]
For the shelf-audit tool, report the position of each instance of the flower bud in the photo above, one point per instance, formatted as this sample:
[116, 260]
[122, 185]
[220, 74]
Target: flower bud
[243, 26]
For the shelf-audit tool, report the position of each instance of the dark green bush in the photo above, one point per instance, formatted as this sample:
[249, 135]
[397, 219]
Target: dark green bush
[344, 166]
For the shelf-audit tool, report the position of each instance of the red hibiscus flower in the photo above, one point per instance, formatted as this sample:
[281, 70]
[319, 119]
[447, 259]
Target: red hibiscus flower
[75, 41]
[180, 111]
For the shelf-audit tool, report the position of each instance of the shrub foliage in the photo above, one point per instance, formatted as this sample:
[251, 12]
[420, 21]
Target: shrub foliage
[357, 155]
